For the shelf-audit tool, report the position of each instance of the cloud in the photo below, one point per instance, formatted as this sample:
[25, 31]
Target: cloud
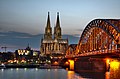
[19, 40]
[1, 35]
[22, 37]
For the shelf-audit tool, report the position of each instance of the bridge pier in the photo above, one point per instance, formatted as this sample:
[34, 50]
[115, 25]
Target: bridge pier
[71, 65]
[115, 69]
[67, 63]
[86, 64]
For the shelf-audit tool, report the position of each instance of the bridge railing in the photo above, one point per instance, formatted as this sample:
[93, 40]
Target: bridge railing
[94, 53]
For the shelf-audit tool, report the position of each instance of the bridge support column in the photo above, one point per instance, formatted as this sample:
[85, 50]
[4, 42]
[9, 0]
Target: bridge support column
[71, 65]
[115, 69]
[86, 64]
[107, 64]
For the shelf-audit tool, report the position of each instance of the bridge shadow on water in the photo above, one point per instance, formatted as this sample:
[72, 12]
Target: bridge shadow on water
[113, 73]
[93, 75]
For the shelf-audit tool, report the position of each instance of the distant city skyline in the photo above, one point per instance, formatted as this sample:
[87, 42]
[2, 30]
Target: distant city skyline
[22, 20]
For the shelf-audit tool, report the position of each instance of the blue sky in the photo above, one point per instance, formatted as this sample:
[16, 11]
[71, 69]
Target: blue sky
[29, 16]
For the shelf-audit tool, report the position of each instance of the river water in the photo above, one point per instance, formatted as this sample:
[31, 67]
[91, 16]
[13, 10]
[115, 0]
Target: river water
[35, 73]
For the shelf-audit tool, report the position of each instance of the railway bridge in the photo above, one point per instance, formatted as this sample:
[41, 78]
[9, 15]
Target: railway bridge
[98, 46]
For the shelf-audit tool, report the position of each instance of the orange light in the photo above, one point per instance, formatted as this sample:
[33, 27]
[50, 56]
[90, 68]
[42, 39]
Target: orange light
[66, 63]
[108, 61]
[55, 63]
[15, 60]
[22, 61]
[114, 64]
[115, 69]
[71, 64]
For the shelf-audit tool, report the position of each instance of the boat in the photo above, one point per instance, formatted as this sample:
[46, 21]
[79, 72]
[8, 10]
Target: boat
[2, 66]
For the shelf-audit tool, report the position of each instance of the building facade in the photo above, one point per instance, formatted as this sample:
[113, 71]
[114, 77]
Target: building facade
[56, 44]
[27, 54]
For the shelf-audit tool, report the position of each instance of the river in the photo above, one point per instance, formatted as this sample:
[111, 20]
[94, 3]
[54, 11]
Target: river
[35, 73]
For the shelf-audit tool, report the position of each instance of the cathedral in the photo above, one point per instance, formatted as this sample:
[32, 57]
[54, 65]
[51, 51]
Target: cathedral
[52, 43]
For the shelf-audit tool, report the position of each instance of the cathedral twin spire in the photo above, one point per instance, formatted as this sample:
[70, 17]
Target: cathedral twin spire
[57, 29]
[48, 29]
[48, 21]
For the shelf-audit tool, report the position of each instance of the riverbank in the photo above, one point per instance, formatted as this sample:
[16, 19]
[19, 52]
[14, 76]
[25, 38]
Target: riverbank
[33, 66]
[21, 66]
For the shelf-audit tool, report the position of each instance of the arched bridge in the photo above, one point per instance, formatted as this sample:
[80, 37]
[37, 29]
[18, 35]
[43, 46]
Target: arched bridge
[100, 36]
[98, 47]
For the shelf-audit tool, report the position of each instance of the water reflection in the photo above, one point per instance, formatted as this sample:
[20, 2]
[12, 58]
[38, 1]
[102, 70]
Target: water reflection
[73, 75]
[2, 70]
[36, 69]
[92, 75]
[25, 69]
[11, 69]
[35, 73]
[17, 69]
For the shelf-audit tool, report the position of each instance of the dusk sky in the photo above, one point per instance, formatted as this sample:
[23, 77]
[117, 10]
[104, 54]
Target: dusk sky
[29, 16]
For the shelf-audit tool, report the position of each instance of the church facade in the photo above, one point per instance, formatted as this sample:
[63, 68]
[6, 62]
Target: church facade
[53, 43]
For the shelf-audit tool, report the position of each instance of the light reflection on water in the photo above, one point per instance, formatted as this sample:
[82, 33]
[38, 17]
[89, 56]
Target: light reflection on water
[73, 75]
[35, 73]
[107, 75]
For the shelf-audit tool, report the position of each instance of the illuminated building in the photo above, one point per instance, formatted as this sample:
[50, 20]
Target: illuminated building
[51, 45]
[24, 53]
[27, 54]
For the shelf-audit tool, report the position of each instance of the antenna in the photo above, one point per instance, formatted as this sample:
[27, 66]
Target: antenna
[4, 48]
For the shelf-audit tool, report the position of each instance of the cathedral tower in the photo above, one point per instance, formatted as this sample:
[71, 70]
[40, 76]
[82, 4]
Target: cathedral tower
[57, 44]
[57, 28]
[48, 29]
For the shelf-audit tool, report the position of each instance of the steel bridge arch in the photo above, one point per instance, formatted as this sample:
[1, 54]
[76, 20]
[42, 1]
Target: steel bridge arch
[96, 23]
[110, 26]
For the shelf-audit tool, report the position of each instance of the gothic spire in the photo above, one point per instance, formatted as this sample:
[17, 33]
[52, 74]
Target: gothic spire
[58, 21]
[28, 47]
[57, 28]
[48, 29]
[48, 21]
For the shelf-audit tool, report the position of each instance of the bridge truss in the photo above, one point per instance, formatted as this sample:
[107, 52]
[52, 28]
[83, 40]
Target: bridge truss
[100, 36]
